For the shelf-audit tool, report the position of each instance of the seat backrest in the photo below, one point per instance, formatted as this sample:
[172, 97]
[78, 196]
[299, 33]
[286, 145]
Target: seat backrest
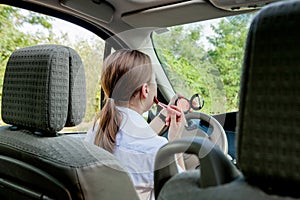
[44, 91]
[269, 115]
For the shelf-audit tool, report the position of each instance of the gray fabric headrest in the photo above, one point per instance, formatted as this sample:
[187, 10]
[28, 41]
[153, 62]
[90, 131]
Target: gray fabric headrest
[268, 123]
[44, 88]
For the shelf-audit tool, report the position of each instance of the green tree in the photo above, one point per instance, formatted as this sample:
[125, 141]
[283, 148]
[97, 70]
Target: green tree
[209, 65]
[181, 52]
[11, 37]
[226, 53]
[174, 50]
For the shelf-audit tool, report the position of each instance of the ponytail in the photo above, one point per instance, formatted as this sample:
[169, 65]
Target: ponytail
[123, 72]
[109, 124]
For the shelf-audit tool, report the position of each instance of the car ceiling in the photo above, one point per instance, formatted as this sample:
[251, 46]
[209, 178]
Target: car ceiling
[120, 15]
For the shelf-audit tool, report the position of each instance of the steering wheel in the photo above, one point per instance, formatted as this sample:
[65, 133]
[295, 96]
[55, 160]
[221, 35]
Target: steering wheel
[217, 136]
[216, 168]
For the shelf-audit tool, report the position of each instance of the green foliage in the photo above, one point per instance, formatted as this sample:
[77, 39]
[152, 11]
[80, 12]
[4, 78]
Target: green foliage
[227, 54]
[213, 72]
[38, 20]
[186, 65]
[11, 37]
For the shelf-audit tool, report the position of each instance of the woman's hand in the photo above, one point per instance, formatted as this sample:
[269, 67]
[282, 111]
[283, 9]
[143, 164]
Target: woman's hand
[175, 122]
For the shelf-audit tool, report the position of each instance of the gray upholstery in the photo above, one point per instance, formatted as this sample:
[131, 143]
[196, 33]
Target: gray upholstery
[268, 146]
[269, 115]
[184, 186]
[77, 97]
[44, 90]
[84, 171]
[37, 84]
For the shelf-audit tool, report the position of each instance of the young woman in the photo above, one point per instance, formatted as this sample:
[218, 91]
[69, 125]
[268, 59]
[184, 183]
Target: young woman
[128, 82]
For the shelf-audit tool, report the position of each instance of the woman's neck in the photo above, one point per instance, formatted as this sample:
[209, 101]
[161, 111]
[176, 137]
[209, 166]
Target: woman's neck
[136, 105]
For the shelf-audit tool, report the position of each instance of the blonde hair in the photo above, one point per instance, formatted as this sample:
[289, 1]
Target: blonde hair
[122, 77]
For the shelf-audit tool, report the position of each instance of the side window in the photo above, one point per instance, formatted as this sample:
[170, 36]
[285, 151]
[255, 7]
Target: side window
[21, 28]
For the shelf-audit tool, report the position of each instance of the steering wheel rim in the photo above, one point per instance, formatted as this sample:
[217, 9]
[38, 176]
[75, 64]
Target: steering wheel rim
[217, 136]
[213, 162]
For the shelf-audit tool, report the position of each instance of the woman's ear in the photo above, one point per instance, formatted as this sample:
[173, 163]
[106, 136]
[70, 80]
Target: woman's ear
[145, 91]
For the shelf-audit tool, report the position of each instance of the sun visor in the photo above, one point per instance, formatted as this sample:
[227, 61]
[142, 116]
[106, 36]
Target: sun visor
[175, 14]
[240, 4]
[104, 11]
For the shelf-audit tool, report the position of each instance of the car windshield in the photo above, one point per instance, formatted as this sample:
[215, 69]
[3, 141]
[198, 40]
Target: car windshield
[205, 58]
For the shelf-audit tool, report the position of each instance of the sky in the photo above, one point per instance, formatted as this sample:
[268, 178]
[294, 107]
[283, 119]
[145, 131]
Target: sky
[60, 26]
[73, 30]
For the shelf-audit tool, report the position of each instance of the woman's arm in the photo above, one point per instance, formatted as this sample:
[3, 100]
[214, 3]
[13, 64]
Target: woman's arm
[159, 122]
[176, 124]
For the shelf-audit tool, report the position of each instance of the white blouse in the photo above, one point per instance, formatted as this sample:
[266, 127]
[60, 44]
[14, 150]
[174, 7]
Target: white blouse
[136, 148]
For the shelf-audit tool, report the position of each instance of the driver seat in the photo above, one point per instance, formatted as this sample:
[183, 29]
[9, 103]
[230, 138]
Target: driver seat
[44, 91]
[268, 146]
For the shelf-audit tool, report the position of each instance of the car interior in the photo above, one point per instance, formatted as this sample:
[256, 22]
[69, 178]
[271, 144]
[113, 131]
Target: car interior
[251, 152]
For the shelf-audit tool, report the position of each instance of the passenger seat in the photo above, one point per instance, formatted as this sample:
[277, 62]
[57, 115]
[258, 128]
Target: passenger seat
[44, 91]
